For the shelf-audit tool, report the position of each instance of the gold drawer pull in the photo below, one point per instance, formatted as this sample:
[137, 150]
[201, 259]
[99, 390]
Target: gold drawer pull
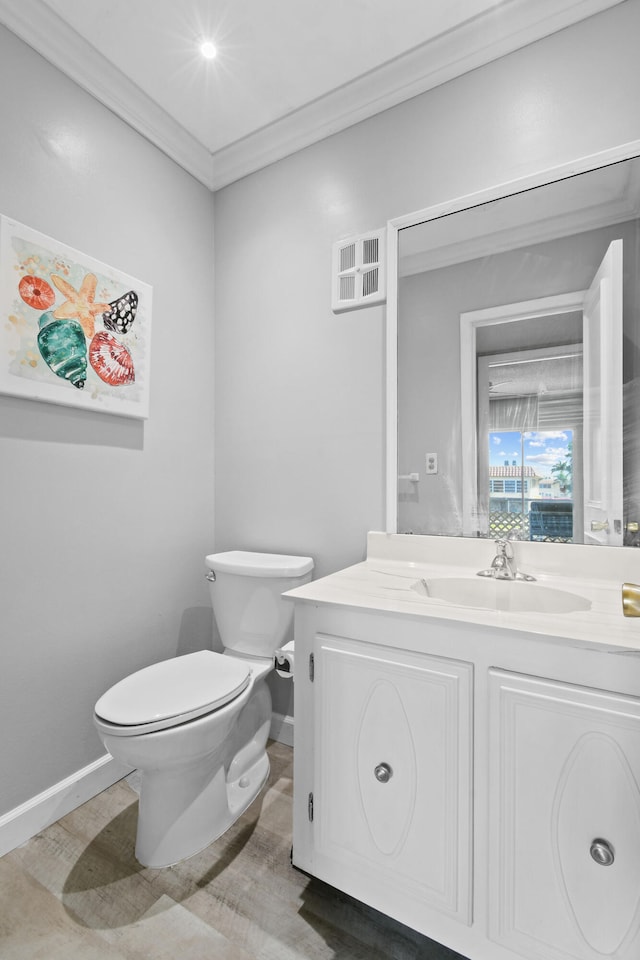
[631, 599]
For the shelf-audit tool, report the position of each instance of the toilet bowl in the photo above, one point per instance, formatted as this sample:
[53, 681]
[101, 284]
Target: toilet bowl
[196, 726]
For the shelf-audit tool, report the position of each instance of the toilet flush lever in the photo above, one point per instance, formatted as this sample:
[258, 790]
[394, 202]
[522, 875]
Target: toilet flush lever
[210, 576]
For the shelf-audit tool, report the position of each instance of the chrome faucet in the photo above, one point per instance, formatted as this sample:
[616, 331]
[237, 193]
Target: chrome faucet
[503, 565]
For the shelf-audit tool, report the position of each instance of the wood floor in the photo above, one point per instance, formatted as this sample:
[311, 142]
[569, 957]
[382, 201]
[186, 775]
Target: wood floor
[75, 892]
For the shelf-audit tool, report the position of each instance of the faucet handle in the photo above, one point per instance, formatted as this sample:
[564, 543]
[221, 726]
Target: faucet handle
[504, 548]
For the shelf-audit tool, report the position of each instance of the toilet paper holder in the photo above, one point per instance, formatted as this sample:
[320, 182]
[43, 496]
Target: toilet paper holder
[284, 660]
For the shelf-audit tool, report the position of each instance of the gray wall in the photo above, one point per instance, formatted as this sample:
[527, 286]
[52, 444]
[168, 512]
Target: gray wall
[105, 520]
[299, 391]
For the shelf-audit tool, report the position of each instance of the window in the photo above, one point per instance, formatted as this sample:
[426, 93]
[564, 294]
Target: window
[525, 467]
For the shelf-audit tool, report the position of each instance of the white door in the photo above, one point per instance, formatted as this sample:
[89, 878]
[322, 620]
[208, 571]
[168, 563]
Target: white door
[602, 335]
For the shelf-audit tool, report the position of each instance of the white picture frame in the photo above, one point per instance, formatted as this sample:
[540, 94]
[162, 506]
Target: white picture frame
[73, 331]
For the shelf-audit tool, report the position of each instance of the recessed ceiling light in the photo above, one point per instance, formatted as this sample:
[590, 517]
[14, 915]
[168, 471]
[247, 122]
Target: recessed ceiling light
[208, 49]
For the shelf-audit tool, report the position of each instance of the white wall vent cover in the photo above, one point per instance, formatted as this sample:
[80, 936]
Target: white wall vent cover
[358, 272]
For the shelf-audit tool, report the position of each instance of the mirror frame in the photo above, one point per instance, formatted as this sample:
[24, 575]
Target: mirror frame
[626, 151]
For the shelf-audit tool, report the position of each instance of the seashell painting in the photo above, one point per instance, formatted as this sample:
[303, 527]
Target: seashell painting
[75, 331]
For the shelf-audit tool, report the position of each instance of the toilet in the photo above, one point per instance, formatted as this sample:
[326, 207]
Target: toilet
[196, 726]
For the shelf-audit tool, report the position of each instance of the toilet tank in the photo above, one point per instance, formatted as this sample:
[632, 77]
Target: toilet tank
[246, 595]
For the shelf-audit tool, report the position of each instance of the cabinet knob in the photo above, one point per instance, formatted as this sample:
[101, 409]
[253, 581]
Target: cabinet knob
[383, 773]
[602, 852]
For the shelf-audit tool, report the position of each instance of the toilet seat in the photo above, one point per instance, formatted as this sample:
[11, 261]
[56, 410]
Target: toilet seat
[171, 692]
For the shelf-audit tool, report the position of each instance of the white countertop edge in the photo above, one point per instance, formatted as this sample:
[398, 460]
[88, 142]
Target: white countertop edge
[601, 627]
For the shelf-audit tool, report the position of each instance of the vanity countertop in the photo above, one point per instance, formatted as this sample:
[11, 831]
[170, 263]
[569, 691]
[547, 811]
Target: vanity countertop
[396, 564]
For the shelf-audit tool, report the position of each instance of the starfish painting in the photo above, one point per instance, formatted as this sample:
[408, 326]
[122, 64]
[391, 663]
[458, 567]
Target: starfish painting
[80, 303]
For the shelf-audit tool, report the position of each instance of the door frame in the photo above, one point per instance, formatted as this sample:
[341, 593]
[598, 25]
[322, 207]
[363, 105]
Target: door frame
[484, 365]
[603, 402]
[470, 322]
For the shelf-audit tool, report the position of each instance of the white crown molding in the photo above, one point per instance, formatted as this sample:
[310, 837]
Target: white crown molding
[507, 27]
[524, 235]
[538, 226]
[510, 25]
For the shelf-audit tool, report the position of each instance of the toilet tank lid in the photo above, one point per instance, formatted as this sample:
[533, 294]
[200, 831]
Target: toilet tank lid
[247, 564]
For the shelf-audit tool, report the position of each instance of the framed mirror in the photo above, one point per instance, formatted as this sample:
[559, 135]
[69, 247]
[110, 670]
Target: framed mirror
[513, 359]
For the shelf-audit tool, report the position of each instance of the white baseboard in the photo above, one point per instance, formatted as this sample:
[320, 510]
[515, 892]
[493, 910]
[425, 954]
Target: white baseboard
[23, 822]
[282, 729]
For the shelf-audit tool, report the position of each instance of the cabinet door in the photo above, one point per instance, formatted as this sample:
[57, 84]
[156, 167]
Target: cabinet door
[565, 820]
[392, 794]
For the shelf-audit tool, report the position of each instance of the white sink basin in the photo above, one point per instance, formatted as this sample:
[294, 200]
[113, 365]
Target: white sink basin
[516, 596]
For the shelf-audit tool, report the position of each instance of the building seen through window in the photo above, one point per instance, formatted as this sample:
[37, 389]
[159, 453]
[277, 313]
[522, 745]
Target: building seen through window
[531, 484]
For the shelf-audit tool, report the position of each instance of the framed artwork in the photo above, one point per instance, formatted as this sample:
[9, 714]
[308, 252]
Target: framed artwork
[73, 331]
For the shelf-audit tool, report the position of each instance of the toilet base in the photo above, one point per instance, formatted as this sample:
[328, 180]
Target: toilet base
[173, 827]
[197, 777]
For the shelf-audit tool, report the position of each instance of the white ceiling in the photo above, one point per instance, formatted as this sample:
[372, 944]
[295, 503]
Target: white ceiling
[288, 72]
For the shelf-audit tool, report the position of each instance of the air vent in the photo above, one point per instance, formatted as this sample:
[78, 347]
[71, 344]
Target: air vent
[347, 287]
[370, 250]
[370, 280]
[347, 257]
[358, 272]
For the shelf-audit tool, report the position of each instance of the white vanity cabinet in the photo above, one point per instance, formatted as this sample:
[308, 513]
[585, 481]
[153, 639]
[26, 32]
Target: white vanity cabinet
[564, 819]
[392, 784]
[470, 781]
